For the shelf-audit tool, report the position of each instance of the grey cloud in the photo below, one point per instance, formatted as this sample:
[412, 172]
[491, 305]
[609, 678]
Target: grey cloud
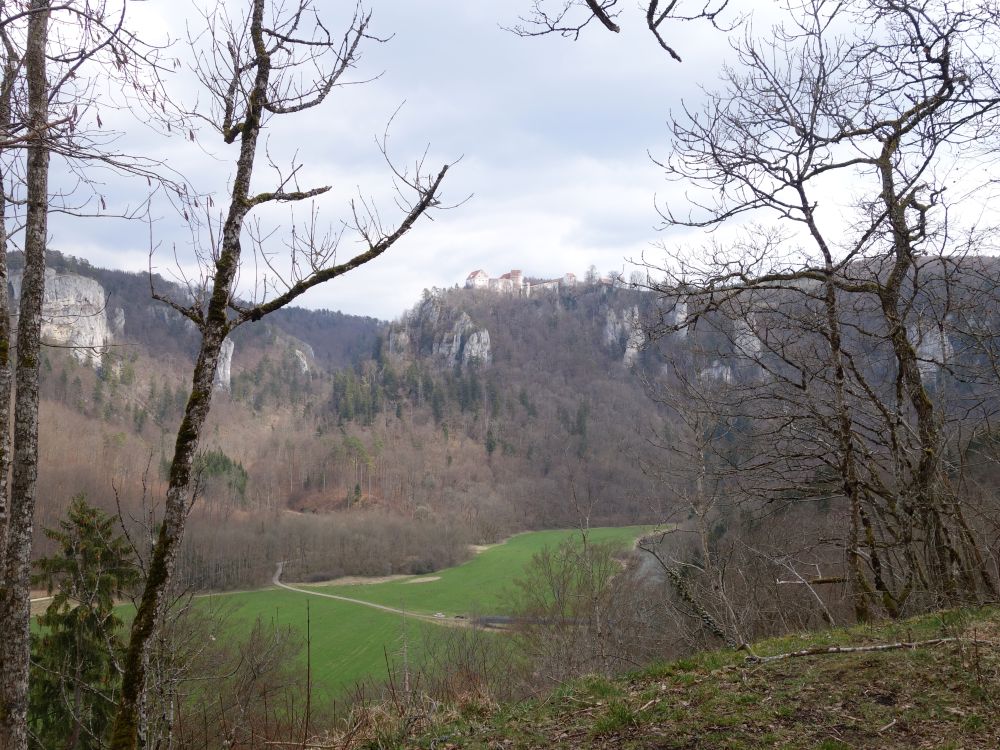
[554, 136]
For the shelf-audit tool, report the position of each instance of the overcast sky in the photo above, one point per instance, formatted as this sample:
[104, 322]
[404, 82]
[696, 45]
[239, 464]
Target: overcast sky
[554, 138]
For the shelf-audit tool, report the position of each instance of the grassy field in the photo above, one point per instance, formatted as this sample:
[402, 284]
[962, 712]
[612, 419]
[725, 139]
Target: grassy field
[479, 586]
[350, 641]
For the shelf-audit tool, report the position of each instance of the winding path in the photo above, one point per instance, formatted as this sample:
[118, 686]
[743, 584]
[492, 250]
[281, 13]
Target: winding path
[446, 621]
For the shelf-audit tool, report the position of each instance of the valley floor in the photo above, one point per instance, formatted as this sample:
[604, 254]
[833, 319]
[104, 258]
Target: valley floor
[358, 629]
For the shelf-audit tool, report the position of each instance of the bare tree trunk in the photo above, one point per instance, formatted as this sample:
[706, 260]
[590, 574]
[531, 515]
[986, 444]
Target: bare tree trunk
[245, 94]
[161, 565]
[861, 591]
[15, 646]
[214, 329]
[6, 86]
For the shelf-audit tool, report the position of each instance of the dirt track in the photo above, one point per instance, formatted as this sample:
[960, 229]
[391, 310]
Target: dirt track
[450, 622]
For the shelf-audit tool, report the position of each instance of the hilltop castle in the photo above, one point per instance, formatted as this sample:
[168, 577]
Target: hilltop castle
[513, 282]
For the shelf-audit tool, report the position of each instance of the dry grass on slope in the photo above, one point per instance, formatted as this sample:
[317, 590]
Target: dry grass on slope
[945, 694]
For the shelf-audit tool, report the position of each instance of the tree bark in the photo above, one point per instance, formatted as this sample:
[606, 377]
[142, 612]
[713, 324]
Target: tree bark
[6, 86]
[926, 494]
[214, 330]
[15, 604]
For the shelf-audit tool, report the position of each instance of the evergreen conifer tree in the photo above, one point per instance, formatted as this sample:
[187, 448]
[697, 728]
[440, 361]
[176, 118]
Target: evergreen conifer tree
[78, 645]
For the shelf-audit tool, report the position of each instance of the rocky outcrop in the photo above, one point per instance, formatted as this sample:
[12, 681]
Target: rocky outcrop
[477, 347]
[223, 374]
[740, 360]
[717, 372]
[398, 343]
[444, 333]
[118, 322]
[745, 339]
[624, 329]
[680, 316]
[300, 357]
[934, 348]
[458, 341]
[449, 338]
[74, 314]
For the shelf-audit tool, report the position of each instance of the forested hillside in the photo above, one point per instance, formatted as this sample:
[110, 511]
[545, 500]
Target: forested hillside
[324, 414]
[479, 413]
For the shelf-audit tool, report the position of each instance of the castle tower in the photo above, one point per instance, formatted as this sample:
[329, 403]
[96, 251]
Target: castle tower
[477, 280]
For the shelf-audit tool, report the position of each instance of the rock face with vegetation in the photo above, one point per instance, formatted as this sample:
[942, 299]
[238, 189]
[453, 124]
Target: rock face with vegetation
[75, 314]
[224, 374]
[624, 329]
[439, 330]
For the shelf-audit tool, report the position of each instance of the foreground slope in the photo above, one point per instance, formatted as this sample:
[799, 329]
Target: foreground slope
[943, 694]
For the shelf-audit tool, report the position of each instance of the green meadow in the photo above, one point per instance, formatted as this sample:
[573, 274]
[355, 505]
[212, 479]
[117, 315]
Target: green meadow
[481, 586]
[350, 642]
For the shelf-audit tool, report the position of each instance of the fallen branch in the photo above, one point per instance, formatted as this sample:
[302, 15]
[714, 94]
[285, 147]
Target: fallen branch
[824, 650]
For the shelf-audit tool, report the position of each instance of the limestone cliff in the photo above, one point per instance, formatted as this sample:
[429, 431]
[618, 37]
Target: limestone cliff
[933, 346]
[745, 340]
[477, 347]
[223, 375]
[444, 333]
[624, 329]
[300, 357]
[740, 356]
[75, 314]
[717, 372]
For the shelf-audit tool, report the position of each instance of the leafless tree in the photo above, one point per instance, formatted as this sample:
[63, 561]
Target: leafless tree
[564, 609]
[713, 556]
[14, 608]
[256, 69]
[846, 322]
[46, 101]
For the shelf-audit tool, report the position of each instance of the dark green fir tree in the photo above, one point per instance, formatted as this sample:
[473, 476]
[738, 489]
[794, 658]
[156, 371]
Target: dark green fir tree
[77, 647]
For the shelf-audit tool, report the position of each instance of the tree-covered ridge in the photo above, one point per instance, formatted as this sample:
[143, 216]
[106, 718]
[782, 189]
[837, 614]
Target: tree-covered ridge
[386, 433]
